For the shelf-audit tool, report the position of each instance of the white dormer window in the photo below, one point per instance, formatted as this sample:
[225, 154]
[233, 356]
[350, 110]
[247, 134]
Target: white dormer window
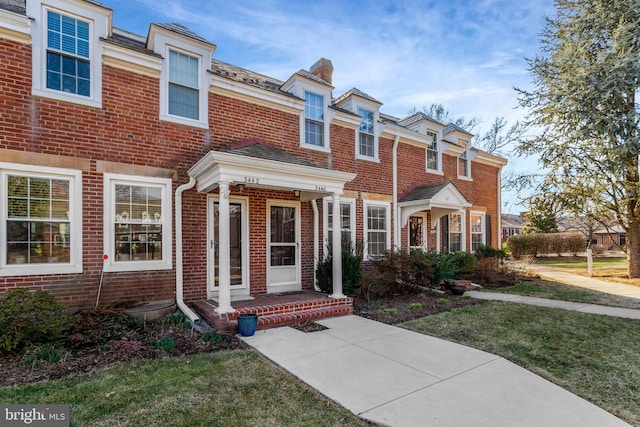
[184, 91]
[366, 134]
[464, 165]
[66, 63]
[433, 162]
[314, 119]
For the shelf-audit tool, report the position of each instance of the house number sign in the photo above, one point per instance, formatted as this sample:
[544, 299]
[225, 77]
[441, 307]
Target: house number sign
[251, 180]
[321, 188]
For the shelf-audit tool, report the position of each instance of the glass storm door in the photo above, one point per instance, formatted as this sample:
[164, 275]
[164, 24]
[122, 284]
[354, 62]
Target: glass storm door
[284, 248]
[236, 252]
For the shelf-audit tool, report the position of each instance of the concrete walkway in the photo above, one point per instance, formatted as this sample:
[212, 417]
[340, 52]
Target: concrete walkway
[582, 307]
[397, 377]
[620, 289]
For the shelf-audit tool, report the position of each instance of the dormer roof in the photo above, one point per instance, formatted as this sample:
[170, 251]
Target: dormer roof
[356, 92]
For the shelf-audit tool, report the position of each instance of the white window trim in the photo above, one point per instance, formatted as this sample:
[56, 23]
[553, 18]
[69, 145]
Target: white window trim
[463, 228]
[466, 177]
[325, 220]
[75, 221]
[97, 29]
[301, 88]
[110, 264]
[376, 132]
[439, 143]
[484, 227]
[365, 205]
[202, 54]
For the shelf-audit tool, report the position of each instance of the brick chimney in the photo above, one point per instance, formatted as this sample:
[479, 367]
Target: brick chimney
[323, 68]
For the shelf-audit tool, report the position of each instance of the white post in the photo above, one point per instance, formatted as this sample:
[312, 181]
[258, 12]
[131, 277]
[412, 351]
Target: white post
[590, 261]
[224, 257]
[336, 244]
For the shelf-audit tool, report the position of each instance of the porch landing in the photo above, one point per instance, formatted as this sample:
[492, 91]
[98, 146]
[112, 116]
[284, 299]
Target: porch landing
[275, 310]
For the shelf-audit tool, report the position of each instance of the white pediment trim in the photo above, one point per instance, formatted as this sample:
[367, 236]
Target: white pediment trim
[448, 200]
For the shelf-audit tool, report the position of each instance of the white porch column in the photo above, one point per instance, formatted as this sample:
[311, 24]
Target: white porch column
[224, 258]
[336, 245]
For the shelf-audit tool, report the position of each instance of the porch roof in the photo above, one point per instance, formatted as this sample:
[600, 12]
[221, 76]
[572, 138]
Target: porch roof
[256, 164]
[441, 199]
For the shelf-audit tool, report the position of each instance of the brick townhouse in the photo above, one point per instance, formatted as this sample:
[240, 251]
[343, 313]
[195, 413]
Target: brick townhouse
[198, 179]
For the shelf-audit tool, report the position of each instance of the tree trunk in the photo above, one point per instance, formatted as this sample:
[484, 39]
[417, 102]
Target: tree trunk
[633, 249]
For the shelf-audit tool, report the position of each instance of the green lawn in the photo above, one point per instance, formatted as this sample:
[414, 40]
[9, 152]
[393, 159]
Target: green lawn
[596, 357]
[230, 388]
[580, 262]
[560, 291]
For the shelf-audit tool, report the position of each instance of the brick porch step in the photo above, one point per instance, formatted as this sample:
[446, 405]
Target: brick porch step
[274, 311]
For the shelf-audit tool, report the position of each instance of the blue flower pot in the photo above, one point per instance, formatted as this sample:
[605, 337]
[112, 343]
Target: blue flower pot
[247, 324]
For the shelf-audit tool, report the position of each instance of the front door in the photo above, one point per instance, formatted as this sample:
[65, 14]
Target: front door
[283, 246]
[237, 249]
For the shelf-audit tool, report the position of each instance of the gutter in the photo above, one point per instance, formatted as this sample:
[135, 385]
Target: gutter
[193, 317]
[396, 210]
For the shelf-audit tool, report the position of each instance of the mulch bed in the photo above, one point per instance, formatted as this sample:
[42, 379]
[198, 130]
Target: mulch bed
[402, 308]
[104, 338]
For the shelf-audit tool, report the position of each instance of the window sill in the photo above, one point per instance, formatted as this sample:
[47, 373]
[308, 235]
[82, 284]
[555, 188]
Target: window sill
[67, 97]
[184, 121]
[137, 266]
[38, 269]
[315, 147]
[464, 178]
[434, 172]
[367, 158]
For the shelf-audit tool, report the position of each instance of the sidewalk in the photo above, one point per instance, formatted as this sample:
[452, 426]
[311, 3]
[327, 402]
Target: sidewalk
[620, 289]
[397, 377]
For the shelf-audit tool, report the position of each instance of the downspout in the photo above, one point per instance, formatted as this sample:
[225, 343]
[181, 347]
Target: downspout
[499, 219]
[193, 317]
[396, 210]
[316, 238]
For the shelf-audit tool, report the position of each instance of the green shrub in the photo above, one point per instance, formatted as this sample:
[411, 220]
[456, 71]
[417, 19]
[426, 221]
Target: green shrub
[212, 337]
[466, 262]
[30, 318]
[551, 243]
[351, 274]
[166, 343]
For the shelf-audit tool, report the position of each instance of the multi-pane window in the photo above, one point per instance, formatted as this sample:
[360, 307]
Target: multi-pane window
[455, 232]
[184, 94]
[477, 231]
[68, 65]
[366, 136]
[463, 164]
[432, 151]
[37, 219]
[314, 119]
[416, 232]
[137, 222]
[346, 231]
[377, 230]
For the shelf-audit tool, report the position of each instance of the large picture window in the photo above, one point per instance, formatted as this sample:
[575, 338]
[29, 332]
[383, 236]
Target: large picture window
[42, 221]
[137, 222]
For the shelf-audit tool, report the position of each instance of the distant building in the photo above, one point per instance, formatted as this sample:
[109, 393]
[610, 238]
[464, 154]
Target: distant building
[511, 225]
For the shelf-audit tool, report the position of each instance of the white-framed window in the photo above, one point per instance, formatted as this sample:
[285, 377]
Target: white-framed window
[347, 223]
[464, 164]
[314, 119]
[137, 223]
[41, 215]
[477, 230]
[184, 87]
[377, 228]
[66, 62]
[433, 156]
[456, 232]
[366, 134]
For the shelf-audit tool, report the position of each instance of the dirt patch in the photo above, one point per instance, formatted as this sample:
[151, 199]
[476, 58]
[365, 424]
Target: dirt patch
[401, 308]
[309, 326]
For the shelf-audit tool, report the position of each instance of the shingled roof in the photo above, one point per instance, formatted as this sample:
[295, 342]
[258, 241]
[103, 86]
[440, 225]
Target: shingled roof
[356, 92]
[424, 192]
[260, 150]
[182, 30]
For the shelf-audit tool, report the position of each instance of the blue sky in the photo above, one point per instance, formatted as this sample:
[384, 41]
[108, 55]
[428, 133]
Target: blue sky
[467, 55]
